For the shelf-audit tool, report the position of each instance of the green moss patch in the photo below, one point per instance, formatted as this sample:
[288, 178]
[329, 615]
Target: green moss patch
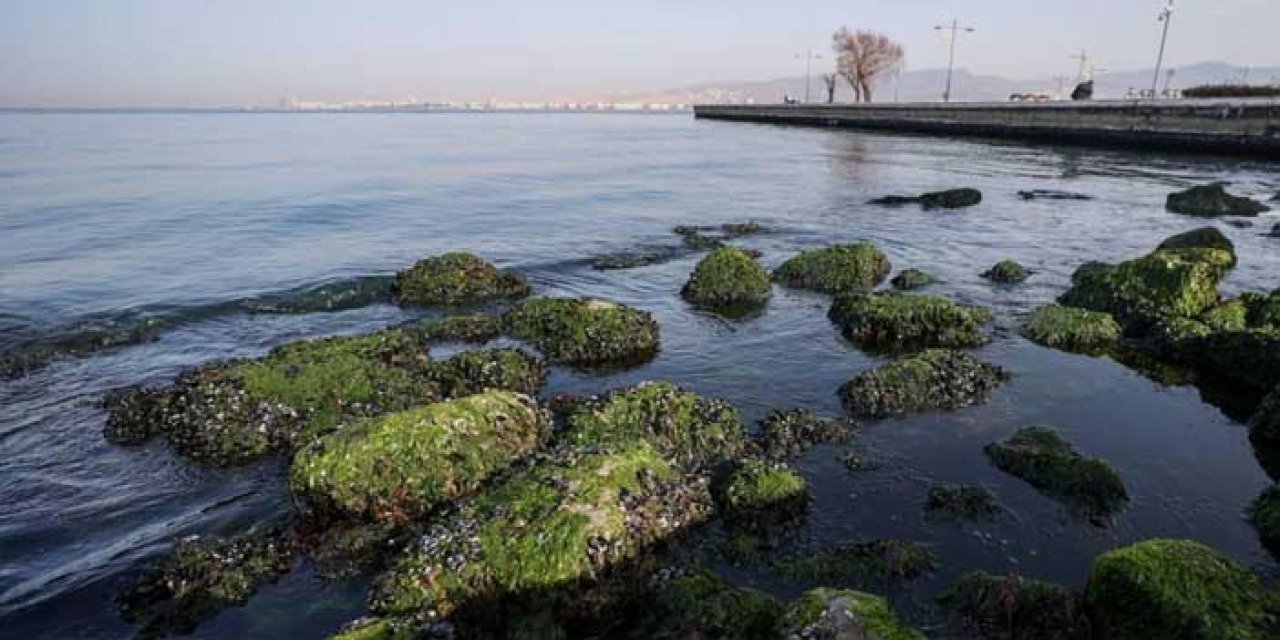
[837, 269]
[585, 333]
[763, 494]
[902, 322]
[910, 279]
[832, 613]
[930, 380]
[1015, 608]
[728, 278]
[1072, 329]
[1212, 200]
[1039, 456]
[455, 279]
[1174, 589]
[871, 562]
[400, 466]
[1170, 283]
[787, 434]
[962, 502]
[1007, 272]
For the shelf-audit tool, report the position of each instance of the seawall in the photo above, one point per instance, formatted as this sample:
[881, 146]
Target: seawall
[1238, 127]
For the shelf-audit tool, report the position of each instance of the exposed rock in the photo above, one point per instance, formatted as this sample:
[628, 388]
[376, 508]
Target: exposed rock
[201, 576]
[836, 269]
[1071, 329]
[1174, 589]
[862, 563]
[1015, 608]
[910, 279]
[831, 614]
[1044, 460]
[759, 495]
[896, 322]
[728, 278]
[1202, 238]
[583, 332]
[693, 603]
[949, 199]
[1051, 194]
[787, 434]
[455, 279]
[1212, 200]
[962, 502]
[933, 379]
[399, 467]
[1007, 272]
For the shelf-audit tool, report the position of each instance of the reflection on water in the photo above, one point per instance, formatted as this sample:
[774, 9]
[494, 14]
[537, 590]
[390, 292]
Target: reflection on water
[105, 213]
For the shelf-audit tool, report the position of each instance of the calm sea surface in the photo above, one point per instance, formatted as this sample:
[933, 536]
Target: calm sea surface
[108, 220]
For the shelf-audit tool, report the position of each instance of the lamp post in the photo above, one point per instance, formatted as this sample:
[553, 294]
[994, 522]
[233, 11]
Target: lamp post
[955, 30]
[1165, 16]
[809, 56]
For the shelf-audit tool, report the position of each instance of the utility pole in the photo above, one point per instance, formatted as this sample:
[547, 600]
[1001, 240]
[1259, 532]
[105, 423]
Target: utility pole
[809, 56]
[955, 30]
[1165, 16]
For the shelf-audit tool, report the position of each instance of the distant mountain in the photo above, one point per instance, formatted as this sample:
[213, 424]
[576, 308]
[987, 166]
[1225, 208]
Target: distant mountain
[926, 86]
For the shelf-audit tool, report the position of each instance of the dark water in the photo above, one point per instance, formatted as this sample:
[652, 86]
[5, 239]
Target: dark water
[111, 221]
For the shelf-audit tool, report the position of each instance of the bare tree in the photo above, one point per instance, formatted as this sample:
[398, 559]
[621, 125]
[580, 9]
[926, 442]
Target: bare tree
[830, 80]
[862, 57]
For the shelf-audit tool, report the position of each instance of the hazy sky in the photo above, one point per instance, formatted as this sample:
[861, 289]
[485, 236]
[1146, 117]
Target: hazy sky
[228, 52]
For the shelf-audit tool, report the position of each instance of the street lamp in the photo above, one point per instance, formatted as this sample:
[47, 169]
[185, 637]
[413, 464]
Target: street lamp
[1165, 16]
[955, 30]
[809, 56]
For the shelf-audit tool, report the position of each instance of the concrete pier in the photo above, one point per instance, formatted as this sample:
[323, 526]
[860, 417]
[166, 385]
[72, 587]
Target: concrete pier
[1237, 127]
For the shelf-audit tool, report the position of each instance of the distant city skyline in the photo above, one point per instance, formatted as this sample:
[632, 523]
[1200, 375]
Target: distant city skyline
[201, 53]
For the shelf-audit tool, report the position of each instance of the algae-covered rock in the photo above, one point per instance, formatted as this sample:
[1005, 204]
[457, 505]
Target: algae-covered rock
[455, 279]
[398, 467]
[1174, 589]
[634, 258]
[763, 494]
[837, 269]
[1007, 272]
[474, 329]
[681, 425]
[201, 576]
[1016, 608]
[841, 614]
[231, 413]
[933, 379]
[536, 539]
[861, 562]
[787, 434]
[1264, 427]
[900, 322]
[1212, 200]
[910, 279]
[1179, 283]
[1044, 460]
[1051, 194]
[1071, 329]
[728, 277]
[1250, 357]
[377, 629]
[583, 332]
[472, 372]
[1202, 238]
[693, 603]
[951, 199]
[962, 502]
[1264, 514]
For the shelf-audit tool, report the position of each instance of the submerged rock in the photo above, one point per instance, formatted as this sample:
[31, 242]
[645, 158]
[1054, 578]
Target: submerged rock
[633, 258]
[933, 379]
[1051, 194]
[1212, 200]
[681, 425]
[1071, 329]
[1250, 357]
[949, 199]
[1007, 272]
[902, 322]
[1202, 238]
[760, 495]
[400, 466]
[200, 577]
[910, 279]
[962, 502]
[1264, 515]
[536, 540]
[583, 332]
[728, 277]
[455, 279]
[871, 562]
[1015, 608]
[1039, 456]
[787, 434]
[842, 614]
[1174, 589]
[836, 269]
[694, 603]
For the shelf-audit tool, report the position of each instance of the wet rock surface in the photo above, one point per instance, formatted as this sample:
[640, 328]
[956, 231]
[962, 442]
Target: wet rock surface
[1044, 460]
[583, 332]
[1016, 608]
[1212, 200]
[784, 435]
[455, 279]
[728, 278]
[824, 614]
[932, 380]
[837, 269]
[948, 199]
[1051, 194]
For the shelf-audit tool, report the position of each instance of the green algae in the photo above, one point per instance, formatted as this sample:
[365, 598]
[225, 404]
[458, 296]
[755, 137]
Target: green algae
[1174, 589]
[962, 502]
[1180, 283]
[1201, 238]
[698, 604]
[1039, 456]
[472, 372]
[728, 278]
[399, 466]
[833, 613]
[760, 494]
[455, 279]
[1071, 329]
[902, 322]
[1016, 608]
[861, 562]
[473, 329]
[838, 269]
[1007, 272]
[931, 380]
[910, 279]
[787, 434]
[583, 332]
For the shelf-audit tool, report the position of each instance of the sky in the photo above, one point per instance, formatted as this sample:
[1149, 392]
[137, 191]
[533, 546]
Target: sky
[188, 53]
